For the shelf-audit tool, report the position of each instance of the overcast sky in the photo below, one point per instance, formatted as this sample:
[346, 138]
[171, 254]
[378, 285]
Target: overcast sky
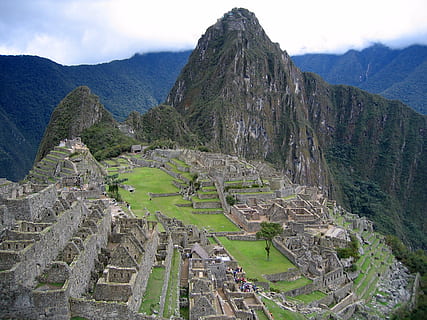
[94, 31]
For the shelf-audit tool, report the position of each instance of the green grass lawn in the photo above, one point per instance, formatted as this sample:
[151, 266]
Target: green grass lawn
[154, 289]
[307, 298]
[171, 300]
[291, 285]
[261, 315]
[252, 257]
[179, 162]
[153, 180]
[279, 313]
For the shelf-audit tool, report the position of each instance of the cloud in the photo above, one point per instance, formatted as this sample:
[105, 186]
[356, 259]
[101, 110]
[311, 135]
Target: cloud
[91, 31]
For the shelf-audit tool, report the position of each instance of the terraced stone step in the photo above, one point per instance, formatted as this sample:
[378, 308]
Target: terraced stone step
[37, 177]
[60, 153]
[41, 171]
[207, 195]
[68, 170]
[206, 204]
[201, 211]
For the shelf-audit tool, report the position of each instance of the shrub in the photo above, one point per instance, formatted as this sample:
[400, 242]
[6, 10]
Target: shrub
[230, 200]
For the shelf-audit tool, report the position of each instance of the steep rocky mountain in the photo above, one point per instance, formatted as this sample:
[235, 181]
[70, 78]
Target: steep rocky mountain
[241, 94]
[393, 73]
[80, 114]
[31, 87]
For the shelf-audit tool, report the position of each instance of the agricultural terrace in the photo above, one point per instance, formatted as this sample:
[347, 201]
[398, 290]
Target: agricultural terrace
[151, 180]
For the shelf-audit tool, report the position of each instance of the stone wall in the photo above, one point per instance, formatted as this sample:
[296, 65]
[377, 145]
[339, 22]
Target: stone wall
[159, 195]
[150, 247]
[101, 310]
[245, 237]
[308, 288]
[7, 219]
[51, 304]
[82, 266]
[167, 264]
[18, 281]
[30, 207]
[290, 275]
[344, 303]
[51, 242]
[207, 205]
[285, 251]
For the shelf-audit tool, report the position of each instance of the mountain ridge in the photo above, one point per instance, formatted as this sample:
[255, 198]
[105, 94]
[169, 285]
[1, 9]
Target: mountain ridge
[393, 73]
[33, 86]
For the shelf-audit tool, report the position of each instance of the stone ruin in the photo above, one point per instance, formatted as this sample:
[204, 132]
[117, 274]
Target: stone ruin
[64, 253]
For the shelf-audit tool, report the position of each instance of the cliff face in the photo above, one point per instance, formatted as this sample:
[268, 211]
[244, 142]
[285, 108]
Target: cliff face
[376, 149]
[78, 111]
[241, 94]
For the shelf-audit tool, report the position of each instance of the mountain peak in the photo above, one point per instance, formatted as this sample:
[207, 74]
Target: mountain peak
[79, 110]
[238, 19]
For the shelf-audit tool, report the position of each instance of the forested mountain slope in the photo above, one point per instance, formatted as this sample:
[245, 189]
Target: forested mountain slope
[399, 74]
[31, 87]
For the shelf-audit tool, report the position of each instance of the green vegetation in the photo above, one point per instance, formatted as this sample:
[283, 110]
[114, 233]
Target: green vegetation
[146, 180]
[314, 296]
[172, 293]
[268, 231]
[351, 251]
[398, 73]
[279, 313]
[150, 301]
[363, 168]
[250, 255]
[416, 262]
[230, 200]
[106, 141]
[113, 183]
[261, 315]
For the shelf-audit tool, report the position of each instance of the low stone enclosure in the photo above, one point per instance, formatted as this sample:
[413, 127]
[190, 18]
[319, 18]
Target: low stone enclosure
[63, 255]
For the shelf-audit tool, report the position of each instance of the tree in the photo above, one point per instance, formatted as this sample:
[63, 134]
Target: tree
[268, 231]
[113, 182]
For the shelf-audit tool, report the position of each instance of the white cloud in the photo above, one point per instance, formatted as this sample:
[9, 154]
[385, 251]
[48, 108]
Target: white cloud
[90, 31]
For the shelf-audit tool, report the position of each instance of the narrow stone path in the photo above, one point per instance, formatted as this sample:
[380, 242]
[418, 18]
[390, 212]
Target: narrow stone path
[184, 273]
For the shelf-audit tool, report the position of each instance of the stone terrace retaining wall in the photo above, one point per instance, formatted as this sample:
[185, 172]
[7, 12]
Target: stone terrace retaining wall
[289, 275]
[159, 195]
[101, 310]
[242, 237]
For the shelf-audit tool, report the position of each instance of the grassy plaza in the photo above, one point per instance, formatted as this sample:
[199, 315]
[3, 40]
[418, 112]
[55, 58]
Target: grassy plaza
[252, 257]
[151, 180]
